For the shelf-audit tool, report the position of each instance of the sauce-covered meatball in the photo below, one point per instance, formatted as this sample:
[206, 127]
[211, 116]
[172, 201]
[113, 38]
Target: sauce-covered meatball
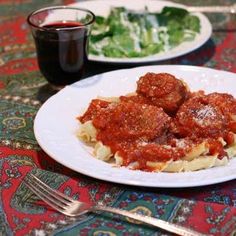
[197, 118]
[163, 90]
[227, 104]
[131, 121]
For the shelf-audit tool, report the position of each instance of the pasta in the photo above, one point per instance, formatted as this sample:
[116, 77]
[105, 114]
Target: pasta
[87, 132]
[162, 126]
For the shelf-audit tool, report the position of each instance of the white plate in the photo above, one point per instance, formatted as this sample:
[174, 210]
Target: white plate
[102, 7]
[56, 125]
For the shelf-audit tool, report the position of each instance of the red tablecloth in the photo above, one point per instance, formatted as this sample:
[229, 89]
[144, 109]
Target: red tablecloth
[208, 209]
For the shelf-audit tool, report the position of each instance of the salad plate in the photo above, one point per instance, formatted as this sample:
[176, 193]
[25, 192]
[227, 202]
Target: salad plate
[56, 126]
[103, 8]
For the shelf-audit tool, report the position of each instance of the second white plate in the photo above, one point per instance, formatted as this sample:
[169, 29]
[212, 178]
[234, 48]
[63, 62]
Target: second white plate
[102, 8]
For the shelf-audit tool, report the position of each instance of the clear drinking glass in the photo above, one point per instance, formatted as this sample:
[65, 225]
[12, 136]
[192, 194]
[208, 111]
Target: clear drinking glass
[61, 39]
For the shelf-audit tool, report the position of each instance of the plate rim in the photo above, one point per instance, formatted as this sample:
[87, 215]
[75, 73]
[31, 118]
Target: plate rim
[156, 57]
[133, 183]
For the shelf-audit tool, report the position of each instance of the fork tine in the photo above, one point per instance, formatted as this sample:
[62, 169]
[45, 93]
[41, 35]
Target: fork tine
[58, 195]
[49, 200]
[46, 190]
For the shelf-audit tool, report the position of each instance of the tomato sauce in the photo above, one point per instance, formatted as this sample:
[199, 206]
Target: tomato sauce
[95, 107]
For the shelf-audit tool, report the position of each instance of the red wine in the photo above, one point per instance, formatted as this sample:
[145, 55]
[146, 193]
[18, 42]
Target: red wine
[61, 52]
[60, 25]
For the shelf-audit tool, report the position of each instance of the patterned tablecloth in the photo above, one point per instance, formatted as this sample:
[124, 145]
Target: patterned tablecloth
[209, 209]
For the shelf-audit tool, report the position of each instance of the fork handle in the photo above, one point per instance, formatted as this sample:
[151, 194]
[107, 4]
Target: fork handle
[149, 220]
[213, 9]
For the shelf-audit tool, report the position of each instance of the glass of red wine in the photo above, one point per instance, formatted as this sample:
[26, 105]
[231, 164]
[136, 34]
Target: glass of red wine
[61, 39]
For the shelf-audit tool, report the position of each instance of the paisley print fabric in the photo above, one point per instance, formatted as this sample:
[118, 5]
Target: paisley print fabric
[209, 209]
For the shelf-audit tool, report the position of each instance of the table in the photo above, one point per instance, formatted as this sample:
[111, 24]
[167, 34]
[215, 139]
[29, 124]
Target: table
[209, 209]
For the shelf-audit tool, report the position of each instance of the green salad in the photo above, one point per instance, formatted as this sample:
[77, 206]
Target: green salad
[128, 34]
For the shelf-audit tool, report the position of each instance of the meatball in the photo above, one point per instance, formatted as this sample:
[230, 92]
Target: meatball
[227, 104]
[163, 90]
[131, 121]
[197, 118]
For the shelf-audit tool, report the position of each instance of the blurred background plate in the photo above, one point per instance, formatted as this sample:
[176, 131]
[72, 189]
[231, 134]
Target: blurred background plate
[102, 8]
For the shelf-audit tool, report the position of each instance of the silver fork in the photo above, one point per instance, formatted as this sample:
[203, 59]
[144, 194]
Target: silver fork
[213, 9]
[71, 207]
